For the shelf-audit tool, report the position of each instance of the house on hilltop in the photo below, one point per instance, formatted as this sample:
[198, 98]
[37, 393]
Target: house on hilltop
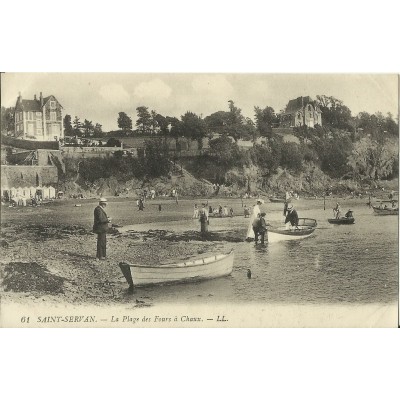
[39, 119]
[302, 111]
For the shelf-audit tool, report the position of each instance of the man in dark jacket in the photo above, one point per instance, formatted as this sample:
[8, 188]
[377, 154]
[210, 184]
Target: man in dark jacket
[100, 227]
[291, 216]
[260, 228]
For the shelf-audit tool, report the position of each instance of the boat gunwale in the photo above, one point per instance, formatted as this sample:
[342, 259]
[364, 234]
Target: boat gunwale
[340, 220]
[191, 265]
[299, 232]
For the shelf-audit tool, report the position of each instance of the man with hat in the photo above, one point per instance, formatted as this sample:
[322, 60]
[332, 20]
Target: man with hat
[349, 214]
[291, 216]
[100, 227]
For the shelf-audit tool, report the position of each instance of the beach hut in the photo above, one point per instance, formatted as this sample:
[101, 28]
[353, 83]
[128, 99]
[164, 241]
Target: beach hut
[32, 191]
[52, 192]
[13, 192]
[45, 193]
[19, 191]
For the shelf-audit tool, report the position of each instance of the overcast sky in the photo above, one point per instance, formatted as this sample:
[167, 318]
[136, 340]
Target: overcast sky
[99, 97]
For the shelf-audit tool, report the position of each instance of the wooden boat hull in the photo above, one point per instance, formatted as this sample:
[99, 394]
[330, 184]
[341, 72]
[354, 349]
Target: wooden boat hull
[277, 235]
[387, 211]
[304, 230]
[341, 221]
[275, 200]
[201, 269]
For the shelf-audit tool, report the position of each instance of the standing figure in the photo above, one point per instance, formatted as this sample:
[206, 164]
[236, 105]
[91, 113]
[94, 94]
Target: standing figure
[231, 212]
[287, 199]
[195, 212]
[225, 211]
[141, 205]
[100, 227]
[220, 210]
[256, 210]
[203, 219]
[336, 211]
[246, 211]
[292, 218]
[260, 228]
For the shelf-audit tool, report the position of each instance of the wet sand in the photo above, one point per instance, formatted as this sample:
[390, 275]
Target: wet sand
[48, 252]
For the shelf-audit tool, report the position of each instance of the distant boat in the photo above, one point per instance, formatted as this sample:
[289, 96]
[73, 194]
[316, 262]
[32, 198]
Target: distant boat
[386, 211]
[201, 269]
[305, 228]
[276, 200]
[341, 221]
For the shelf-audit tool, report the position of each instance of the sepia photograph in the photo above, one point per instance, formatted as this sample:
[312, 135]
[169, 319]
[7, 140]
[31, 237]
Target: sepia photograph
[199, 200]
[225, 166]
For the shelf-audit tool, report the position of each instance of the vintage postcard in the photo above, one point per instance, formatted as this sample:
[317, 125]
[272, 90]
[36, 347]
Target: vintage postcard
[199, 200]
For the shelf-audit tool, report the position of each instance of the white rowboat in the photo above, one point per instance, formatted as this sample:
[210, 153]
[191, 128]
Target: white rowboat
[201, 269]
[305, 228]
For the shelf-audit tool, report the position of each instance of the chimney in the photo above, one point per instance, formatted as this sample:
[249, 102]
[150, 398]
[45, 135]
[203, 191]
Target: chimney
[34, 96]
[41, 99]
[19, 96]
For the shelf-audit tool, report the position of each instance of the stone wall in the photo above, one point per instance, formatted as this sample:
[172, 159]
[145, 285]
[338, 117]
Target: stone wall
[29, 144]
[28, 175]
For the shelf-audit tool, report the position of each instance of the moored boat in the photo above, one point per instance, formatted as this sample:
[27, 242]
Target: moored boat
[276, 200]
[386, 211]
[341, 221]
[304, 229]
[200, 269]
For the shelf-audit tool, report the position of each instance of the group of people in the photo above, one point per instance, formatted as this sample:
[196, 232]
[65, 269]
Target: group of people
[337, 212]
[215, 212]
[258, 226]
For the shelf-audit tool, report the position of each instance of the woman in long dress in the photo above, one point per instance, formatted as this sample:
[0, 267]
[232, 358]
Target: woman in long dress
[254, 215]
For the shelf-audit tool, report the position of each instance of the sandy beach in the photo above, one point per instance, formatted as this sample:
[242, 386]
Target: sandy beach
[48, 252]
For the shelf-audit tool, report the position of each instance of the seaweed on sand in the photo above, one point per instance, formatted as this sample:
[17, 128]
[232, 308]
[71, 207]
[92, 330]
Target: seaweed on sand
[31, 277]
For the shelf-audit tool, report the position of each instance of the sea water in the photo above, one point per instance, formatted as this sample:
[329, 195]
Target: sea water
[348, 264]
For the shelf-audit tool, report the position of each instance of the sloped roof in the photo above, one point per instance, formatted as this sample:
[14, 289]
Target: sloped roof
[31, 105]
[297, 104]
[46, 99]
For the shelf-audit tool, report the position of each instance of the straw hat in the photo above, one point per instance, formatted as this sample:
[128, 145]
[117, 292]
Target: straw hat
[261, 201]
[289, 207]
[103, 200]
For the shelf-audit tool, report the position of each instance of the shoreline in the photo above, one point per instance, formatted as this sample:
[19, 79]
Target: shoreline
[58, 241]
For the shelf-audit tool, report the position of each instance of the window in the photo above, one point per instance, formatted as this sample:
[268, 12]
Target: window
[53, 116]
[52, 104]
[38, 115]
[39, 131]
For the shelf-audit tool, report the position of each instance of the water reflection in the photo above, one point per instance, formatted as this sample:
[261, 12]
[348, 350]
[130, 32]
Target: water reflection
[346, 263]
